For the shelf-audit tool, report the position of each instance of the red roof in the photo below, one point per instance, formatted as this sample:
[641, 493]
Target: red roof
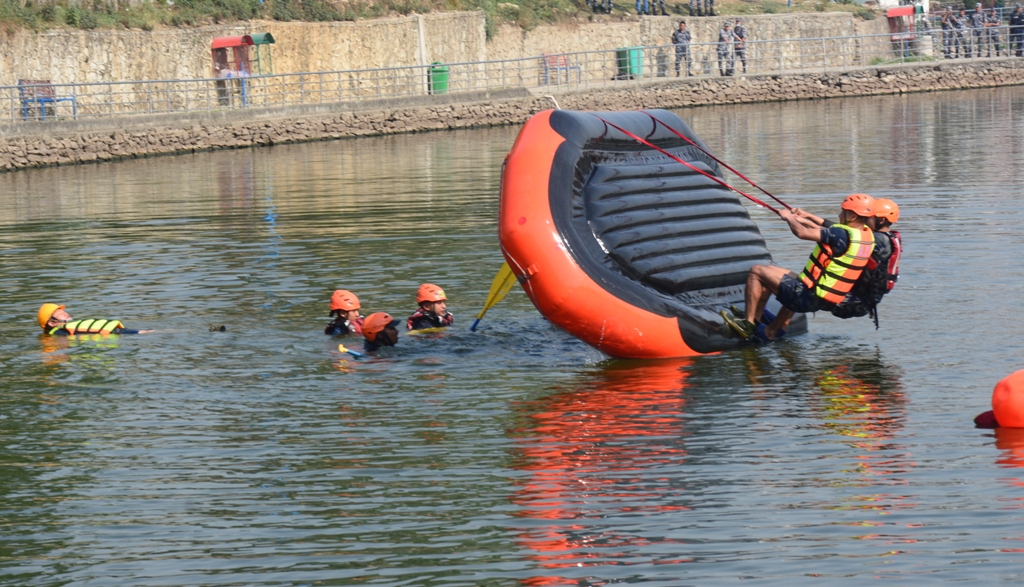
[901, 11]
[231, 41]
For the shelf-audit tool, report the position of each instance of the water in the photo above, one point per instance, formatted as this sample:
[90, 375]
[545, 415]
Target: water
[515, 455]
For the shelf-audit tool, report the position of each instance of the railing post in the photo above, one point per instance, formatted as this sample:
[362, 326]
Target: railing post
[778, 49]
[824, 56]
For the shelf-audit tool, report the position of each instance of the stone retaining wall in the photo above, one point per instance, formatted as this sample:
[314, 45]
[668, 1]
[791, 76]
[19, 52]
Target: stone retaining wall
[31, 145]
[75, 56]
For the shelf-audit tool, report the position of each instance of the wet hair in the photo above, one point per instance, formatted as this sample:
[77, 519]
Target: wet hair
[334, 313]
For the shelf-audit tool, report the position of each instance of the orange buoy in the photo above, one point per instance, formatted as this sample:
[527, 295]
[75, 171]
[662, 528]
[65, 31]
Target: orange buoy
[1008, 400]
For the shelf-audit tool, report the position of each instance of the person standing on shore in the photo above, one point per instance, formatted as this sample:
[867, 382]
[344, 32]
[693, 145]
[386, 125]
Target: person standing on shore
[725, 56]
[740, 32]
[961, 24]
[1017, 32]
[992, 24]
[709, 7]
[978, 29]
[948, 34]
[681, 39]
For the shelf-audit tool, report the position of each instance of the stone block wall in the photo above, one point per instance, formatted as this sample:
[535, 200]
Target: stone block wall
[29, 145]
[71, 56]
[74, 56]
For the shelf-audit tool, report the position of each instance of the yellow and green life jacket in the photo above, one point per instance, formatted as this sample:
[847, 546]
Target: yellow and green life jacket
[88, 326]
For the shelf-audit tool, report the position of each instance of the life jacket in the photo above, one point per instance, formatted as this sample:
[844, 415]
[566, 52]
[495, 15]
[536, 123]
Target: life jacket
[424, 318]
[880, 276]
[89, 326]
[340, 326]
[831, 277]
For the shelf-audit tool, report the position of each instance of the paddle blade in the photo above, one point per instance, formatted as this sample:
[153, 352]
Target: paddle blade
[500, 287]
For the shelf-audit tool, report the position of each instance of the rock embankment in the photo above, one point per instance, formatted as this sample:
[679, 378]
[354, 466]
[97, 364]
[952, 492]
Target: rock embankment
[28, 145]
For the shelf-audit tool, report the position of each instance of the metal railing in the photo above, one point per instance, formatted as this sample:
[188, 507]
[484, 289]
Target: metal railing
[549, 73]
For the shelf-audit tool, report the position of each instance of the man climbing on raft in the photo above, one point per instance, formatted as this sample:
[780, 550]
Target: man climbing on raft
[828, 276]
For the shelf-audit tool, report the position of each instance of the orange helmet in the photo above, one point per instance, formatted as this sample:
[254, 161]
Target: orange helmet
[887, 209]
[342, 299]
[859, 204]
[430, 293]
[375, 323]
[45, 313]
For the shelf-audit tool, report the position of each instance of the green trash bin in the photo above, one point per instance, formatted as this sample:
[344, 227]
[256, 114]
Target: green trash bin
[438, 78]
[630, 61]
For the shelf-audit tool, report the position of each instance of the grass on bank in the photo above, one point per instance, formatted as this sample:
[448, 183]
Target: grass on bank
[41, 15]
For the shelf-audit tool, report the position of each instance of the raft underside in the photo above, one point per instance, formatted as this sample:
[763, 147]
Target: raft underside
[651, 231]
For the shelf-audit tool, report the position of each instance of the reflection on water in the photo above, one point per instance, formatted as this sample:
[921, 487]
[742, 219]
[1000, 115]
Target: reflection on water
[607, 449]
[514, 455]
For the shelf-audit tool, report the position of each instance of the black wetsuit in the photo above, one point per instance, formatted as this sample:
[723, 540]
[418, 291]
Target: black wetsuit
[424, 318]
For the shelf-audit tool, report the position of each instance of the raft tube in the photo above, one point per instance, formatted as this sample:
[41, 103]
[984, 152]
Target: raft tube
[618, 244]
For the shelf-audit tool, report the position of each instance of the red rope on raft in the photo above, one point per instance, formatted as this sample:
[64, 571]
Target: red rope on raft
[720, 162]
[678, 160]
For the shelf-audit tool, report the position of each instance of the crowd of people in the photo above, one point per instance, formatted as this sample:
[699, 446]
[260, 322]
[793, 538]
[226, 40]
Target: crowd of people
[977, 31]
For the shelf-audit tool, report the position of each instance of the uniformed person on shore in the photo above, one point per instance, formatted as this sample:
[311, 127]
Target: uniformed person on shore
[949, 34]
[709, 7]
[1016, 43]
[740, 32]
[992, 23]
[725, 48]
[963, 22]
[681, 39]
[978, 29]
[695, 8]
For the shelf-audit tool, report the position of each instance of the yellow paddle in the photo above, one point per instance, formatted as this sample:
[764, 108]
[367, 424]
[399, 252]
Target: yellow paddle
[356, 354]
[500, 287]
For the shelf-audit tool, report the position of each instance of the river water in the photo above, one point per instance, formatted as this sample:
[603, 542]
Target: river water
[515, 455]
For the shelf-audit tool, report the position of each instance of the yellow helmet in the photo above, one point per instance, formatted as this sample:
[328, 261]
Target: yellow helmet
[46, 312]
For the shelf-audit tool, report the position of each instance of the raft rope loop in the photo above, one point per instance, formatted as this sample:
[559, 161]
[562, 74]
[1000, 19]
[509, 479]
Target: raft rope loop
[678, 160]
[719, 161]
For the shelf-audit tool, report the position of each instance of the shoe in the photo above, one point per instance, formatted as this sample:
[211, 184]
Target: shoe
[736, 311]
[742, 326]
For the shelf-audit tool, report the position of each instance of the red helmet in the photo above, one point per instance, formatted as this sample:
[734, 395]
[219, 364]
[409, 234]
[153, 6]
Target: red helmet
[887, 209]
[430, 293]
[342, 299]
[859, 204]
[375, 323]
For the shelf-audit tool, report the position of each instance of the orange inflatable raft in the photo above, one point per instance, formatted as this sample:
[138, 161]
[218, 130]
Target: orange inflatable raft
[620, 245]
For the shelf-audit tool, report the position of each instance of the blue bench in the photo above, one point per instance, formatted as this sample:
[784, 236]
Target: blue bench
[41, 93]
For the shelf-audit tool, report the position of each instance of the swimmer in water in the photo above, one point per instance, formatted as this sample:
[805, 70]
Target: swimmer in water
[345, 311]
[55, 321]
[433, 311]
[380, 329]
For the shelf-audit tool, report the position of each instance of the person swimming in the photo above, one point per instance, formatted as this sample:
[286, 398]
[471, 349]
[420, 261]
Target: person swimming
[54, 320]
[345, 311]
[380, 329]
[433, 311]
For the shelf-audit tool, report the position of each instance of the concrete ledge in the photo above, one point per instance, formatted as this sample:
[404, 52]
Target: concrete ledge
[32, 145]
